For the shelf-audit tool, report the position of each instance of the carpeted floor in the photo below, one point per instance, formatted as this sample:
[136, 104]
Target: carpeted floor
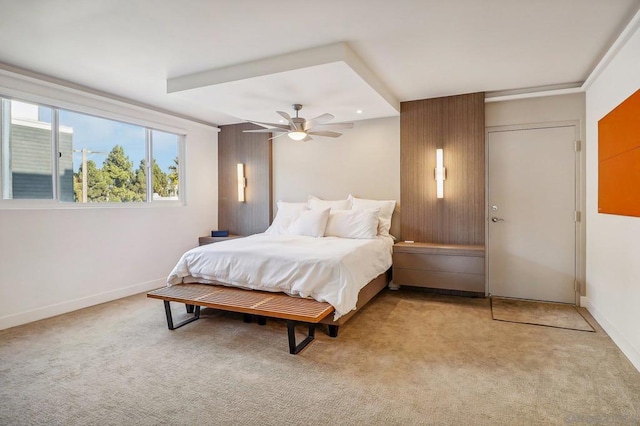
[408, 358]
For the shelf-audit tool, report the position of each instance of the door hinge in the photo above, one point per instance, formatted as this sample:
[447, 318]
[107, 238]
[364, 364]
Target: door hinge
[576, 216]
[577, 146]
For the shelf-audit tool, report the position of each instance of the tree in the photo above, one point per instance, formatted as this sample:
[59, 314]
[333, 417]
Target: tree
[117, 182]
[97, 184]
[77, 186]
[140, 180]
[118, 171]
[160, 180]
[174, 177]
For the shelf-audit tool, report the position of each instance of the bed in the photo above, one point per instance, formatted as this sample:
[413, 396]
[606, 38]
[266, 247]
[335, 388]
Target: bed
[329, 269]
[328, 253]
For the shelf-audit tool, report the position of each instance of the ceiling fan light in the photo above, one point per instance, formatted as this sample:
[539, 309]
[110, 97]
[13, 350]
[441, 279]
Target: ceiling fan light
[297, 136]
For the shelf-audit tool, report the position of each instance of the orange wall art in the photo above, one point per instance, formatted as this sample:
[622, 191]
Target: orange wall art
[619, 159]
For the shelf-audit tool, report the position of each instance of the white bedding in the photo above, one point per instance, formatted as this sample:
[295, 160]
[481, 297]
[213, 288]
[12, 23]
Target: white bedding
[328, 269]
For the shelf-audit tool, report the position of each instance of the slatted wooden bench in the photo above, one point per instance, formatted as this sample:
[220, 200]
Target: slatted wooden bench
[250, 302]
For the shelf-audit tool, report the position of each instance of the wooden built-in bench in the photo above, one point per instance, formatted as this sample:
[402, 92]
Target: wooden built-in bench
[249, 302]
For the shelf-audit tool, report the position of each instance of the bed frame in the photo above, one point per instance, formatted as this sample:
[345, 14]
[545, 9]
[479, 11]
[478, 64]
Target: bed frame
[367, 293]
[263, 305]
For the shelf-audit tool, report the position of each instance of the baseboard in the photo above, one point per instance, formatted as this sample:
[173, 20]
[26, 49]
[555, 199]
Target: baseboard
[73, 305]
[627, 349]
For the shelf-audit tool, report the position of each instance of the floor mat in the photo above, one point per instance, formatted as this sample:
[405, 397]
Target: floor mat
[546, 314]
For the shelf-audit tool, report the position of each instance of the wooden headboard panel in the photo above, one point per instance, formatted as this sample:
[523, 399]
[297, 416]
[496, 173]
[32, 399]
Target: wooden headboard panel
[254, 151]
[456, 124]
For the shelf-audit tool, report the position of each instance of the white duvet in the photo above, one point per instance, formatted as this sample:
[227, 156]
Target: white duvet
[328, 269]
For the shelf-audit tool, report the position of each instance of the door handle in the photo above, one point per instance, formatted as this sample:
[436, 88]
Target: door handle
[496, 219]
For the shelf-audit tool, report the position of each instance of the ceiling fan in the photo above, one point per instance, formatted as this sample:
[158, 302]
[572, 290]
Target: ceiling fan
[300, 129]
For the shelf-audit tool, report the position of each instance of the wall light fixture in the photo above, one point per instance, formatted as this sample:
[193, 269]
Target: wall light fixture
[242, 182]
[440, 173]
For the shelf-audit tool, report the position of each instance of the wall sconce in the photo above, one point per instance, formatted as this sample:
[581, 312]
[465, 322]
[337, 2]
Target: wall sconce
[242, 182]
[440, 173]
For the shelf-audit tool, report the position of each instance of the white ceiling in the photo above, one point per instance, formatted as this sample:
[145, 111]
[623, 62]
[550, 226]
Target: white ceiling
[412, 49]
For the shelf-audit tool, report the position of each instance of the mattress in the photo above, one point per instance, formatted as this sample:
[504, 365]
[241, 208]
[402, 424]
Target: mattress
[328, 269]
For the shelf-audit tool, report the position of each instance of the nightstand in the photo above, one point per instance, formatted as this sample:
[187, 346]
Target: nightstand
[440, 266]
[208, 240]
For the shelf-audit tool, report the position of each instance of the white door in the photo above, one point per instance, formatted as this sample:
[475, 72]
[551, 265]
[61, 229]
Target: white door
[531, 250]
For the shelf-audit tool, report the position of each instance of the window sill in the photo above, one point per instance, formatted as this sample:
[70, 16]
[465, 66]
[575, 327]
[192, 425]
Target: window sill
[57, 205]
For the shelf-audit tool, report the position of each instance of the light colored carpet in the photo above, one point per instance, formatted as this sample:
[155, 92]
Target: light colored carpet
[539, 313]
[408, 358]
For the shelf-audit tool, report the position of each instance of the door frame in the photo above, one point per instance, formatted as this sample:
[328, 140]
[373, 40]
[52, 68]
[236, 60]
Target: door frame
[580, 185]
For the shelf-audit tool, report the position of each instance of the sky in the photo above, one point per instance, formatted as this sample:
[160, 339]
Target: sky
[98, 134]
[101, 135]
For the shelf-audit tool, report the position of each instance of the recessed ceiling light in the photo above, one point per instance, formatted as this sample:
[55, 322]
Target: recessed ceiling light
[281, 121]
[358, 111]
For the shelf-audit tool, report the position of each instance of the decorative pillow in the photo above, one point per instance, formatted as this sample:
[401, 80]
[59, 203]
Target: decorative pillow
[318, 203]
[384, 216]
[287, 213]
[352, 223]
[311, 223]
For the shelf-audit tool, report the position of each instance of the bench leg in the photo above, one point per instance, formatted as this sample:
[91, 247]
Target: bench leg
[333, 331]
[291, 331]
[259, 319]
[167, 310]
[189, 308]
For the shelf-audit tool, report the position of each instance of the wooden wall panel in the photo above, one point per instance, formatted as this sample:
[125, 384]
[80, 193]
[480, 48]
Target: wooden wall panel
[227, 192]
[456, 124]
[254, 150]
[619, 159]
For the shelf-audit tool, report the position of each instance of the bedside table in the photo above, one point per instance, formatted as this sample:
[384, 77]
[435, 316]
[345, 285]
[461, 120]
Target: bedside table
[208, 240]
[441, 266]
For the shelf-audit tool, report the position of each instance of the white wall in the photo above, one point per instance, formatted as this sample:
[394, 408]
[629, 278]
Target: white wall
[54, 261]
[613, 242]
[535, 110]
[364, 161]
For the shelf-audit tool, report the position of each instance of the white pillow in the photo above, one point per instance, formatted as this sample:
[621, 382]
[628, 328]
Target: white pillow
[311, 223]
[318, 203]
[386, 211]
[352, 223]
[287, 213]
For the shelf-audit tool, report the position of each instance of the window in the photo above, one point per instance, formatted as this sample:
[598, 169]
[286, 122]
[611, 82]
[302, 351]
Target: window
[100, 160]
[166, 165]
[94, 159]
[27, 150]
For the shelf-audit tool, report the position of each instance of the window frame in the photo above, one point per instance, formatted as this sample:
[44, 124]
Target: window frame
[55, 202]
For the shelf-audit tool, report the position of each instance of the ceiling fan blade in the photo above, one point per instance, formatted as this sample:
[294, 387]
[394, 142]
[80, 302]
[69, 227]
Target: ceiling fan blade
[325, 133]
[277, 126]
[277, 136]
[289, 119]
[265, 131]
[334, 126]
[318, 120]
[284, 115]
